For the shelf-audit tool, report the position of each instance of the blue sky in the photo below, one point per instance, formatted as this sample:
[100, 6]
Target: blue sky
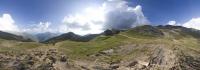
[162, 11]
[34, 11]
[157, 12]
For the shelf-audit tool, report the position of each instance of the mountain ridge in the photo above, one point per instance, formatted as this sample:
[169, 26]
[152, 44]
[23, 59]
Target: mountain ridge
[146, 30]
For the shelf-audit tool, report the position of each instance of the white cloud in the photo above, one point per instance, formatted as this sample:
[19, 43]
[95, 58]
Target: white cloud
[141, 19]
[122, 16]
[171, 23]
[41, 27]
[7, 24]
[89, 21]
[193, 23]
[112, 14]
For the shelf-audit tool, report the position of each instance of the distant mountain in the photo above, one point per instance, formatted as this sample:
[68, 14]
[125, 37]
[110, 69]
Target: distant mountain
[41, 37]
[71, 36]
[9, 36]
[29, 36]
[74, 37]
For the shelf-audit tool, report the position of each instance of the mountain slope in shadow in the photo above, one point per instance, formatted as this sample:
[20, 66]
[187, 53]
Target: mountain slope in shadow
[9, 36]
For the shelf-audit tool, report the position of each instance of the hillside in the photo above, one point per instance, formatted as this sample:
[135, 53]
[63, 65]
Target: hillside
[71, 36]
[9, 36]
[140, 48]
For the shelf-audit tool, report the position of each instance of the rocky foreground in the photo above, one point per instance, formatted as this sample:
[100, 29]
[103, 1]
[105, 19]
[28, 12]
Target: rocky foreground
[158, 57]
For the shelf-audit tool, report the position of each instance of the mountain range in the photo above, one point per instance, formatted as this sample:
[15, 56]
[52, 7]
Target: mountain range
[163, 47]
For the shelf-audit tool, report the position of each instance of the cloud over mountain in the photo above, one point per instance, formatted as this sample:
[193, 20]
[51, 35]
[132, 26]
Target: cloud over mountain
[171, 23]
[41, 27]
[113, 14]
[193, 23]
[122, 16]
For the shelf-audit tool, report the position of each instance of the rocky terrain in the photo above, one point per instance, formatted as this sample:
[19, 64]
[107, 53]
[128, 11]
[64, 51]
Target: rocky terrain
[140, 48]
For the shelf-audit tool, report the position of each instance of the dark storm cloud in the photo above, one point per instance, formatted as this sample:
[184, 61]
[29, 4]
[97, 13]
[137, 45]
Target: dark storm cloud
[120, 20]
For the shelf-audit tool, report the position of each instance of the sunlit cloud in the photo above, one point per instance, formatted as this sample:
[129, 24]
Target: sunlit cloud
[171, 23]
[193, 23]
[41, 27]
[7, 24]
[89, 21]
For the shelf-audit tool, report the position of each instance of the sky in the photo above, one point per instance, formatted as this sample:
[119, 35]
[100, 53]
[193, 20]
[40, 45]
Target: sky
[93, 16]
